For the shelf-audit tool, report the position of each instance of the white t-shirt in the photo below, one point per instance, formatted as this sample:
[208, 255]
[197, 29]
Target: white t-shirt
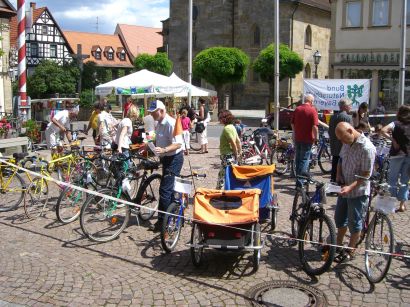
[63, 118]
[103, 122]
[149, 123]
[126, 122]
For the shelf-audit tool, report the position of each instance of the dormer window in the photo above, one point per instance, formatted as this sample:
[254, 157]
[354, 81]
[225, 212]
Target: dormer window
[97, 55]
[121, 53]
[109, 53]
[122, 56]
[96, 52]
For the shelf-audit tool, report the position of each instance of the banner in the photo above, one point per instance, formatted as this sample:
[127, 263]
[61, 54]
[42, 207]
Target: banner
[328, 92]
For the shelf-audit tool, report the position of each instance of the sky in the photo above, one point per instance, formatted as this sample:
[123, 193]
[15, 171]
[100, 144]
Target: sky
[81, 15]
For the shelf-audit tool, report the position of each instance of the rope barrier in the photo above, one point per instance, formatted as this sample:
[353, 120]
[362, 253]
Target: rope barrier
[131, 204]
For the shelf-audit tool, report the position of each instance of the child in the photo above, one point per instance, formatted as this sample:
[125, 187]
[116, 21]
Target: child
[239, 127]
[186, 125]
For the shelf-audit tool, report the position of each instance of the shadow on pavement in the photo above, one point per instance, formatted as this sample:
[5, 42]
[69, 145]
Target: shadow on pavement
[354, 278]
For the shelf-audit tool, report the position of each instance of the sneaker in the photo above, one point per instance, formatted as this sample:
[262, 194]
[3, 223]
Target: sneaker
[155, 227]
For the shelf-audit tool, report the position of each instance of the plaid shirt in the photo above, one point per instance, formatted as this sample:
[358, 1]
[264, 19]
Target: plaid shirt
[356, 159]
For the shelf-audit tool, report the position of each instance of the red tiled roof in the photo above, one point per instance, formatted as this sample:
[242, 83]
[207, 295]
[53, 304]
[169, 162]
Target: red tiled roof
[90, 41]
[138, 39]
[13, 25]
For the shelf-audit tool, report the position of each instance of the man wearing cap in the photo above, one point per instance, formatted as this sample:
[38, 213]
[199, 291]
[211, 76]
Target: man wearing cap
[169, 148]
[345, 106]
[60, 123]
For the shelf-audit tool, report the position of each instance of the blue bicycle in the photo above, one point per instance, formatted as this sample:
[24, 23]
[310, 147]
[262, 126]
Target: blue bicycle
[174, 217]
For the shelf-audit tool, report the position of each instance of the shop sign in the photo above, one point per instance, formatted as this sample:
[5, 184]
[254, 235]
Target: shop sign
[328, 92]
[372, 57]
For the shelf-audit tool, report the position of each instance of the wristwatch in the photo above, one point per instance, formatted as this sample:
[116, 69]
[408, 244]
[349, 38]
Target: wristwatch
[165, 150]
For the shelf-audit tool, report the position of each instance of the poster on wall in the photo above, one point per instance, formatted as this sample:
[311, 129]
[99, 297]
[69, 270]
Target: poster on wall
[328, 92]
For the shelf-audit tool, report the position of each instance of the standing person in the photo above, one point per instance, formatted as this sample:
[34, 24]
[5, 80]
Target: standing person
[362, 114]
[169, 148]
[127, 106]
[399, 170]
[345, 106]
[112, 123]
[186, 125]
[305, 134]
[356, 159]
[60, 123]
[149, 123]
[205, 118]
[124, 131]
[229, 145]
[93, 122]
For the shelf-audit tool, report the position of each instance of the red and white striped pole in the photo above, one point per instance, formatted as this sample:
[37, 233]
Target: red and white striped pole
[21, 16]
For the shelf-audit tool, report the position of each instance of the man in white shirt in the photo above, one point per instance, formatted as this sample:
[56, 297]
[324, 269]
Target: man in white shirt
[169, 148]
[60, 123]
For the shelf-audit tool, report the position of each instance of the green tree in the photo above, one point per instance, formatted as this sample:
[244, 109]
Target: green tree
[290, 64]
[219, 66]
[50, 78]
[158, 63]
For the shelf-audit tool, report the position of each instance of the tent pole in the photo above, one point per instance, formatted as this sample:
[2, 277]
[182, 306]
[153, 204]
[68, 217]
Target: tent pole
[145, 105]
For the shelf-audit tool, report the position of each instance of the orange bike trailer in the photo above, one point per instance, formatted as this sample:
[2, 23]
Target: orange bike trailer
[226, 207]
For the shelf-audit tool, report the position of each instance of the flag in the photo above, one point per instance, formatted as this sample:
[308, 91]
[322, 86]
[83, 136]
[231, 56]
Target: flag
[178, 127]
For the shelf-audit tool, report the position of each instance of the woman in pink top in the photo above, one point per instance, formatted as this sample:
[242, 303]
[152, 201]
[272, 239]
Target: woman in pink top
[186, 125]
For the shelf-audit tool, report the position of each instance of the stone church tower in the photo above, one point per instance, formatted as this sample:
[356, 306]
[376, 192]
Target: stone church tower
[249, 25]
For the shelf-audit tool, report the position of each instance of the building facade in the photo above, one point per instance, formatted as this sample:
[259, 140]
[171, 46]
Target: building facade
[44, 40]
[366, 44]
[249, 25]
[7, 11]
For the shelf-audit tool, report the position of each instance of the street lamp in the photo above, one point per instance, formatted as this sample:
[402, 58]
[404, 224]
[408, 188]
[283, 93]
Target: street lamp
[316, 58]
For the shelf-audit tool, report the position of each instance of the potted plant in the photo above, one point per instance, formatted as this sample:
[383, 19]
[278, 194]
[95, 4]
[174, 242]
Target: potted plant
[32, 131]
[5, 126]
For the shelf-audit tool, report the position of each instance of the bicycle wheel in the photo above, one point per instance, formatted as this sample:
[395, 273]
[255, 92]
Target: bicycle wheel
[148, 196]
[11, 189]
[69, 204]
[380, 238]
[325, 160]
[171, 227]
[36, 198]
[83, 173]
[257, 242]
[278, 157]
[102, 172]
[194, 141]
[317, 250]
[102, 219]
[197, 237]
[297, 209]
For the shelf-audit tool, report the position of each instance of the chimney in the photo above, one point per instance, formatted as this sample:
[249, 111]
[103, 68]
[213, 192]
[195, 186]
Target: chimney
[33, 5]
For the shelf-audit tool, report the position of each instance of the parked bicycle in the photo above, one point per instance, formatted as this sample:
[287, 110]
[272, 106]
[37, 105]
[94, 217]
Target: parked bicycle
[313, 227]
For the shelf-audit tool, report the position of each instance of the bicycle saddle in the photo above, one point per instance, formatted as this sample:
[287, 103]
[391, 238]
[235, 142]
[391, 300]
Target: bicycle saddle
[149, 165]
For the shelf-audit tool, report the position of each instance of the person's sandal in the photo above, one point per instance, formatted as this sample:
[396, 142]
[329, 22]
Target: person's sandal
[344, 257]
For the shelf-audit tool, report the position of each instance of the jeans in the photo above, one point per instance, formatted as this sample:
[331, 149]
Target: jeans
[171, 166]
[335, 161]
[399, 167]
[302, 158]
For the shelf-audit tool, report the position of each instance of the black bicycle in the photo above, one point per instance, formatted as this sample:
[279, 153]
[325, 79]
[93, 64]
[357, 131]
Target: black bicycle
[313, 228]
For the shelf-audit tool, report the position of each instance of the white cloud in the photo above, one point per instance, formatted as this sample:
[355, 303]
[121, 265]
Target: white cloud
[136, 12]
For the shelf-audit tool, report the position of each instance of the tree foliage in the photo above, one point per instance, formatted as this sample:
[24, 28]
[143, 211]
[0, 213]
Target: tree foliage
[50, 78]
[158, 63]
[290, 63]
[219, 66]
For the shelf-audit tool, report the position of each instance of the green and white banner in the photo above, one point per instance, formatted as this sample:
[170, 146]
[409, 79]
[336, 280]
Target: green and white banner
[328, 92]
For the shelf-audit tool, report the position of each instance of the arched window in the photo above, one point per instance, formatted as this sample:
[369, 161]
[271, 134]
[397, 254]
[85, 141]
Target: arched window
[308, 72]
[256, 42]
[308, 37]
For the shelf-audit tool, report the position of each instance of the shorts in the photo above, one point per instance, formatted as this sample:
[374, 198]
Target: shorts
[51, 138]
[350, 212]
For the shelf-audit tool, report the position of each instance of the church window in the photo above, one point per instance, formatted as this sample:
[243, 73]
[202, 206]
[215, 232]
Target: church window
[308, 72]
[256, 36]
[308, 37]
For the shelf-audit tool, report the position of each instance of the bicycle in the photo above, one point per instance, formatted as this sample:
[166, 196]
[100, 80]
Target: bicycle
[174, 217]
[321, 154]
[313, 228]
[378, 232]
[284, 157]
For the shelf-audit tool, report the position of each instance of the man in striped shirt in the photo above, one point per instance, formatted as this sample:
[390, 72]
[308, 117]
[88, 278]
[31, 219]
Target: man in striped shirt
[356, 159]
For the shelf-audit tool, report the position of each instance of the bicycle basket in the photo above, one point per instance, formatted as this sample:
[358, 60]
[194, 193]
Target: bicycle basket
[385, 204]
[182, 185]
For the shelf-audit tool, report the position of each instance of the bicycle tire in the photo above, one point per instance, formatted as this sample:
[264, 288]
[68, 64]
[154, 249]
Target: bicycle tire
[194, 141]
[68, 207]
[257, 241]
[299, 201]
[101, 210]
[14, 193]
[171, 227]
[197, 237]
[319, 253]
[148, 196]
[273, 219]
[36, 198]
[324, 160]
[278, 157]
[374, 272]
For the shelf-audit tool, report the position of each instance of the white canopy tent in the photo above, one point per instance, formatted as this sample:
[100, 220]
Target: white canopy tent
[195, 90]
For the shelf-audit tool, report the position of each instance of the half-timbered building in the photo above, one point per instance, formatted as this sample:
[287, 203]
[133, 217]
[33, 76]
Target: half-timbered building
[44, 40]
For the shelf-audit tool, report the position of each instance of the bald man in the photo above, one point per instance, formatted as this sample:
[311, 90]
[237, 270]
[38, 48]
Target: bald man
[356, 159]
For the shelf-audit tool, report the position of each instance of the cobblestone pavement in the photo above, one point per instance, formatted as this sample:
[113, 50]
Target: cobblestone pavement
[45, 263]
